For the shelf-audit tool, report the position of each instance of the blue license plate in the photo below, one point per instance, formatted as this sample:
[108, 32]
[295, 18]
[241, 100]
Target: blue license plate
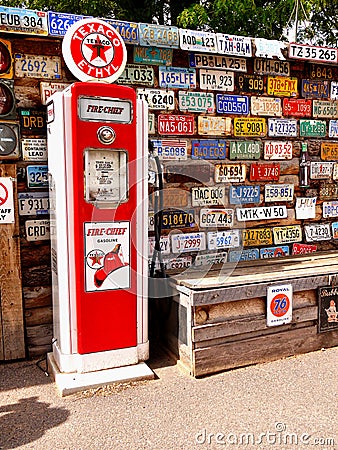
[243, 255]
[274, 252]
[232, 104]
[37, 176]
[315, 89]
[208, 149]
[239, 195]
[58, 23]
[127, 30]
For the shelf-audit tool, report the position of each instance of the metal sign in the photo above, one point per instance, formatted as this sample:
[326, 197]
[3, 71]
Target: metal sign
[214, 125]
[320, 170]
[287, 234]
[248, 254]
[185, 173]
[159, 99]
[127, 30]
[9, 141]
[329, 151]
[333, 128]
[277, 150]
[33, 203]
[153, 55]
[232, 104]
[223, 239]
[252, 237]
[278, 192]
[182, 262]
[34, 149]
[312, 128]
[58, 23]
[137, 74]
[208, 196]
[268, 48]
[245, 149]
[191, 242]
[328, 190]
[251, 83]
[35, 66]
[174, 198]
[175, 124]
[210, 259]
[25, 21]
[178, 219]
[315, 89]
[330, 209]
[250, 127]
[217, 80]
[230, 173]
[216, 218]
[325, 109]
[37, 176]
[297, 107]
[264, 172]
[303, 249]
[282, 86]
[317, 232]
[261, 213]
[37, 230]
[334, 90]
[202, 102]
[328, 309]
[32, 121]
[274, 252]
[169, 149]
[266, 106]
[47, 89]
[240, 195]
[158, 35]
[264, 66]
[282, 127]
[228, 44]
[305, 208]
[201, 41]
[176, 77]
[321, 71]
[279, 305]
[313, 53]
[208, 149]
[164, 245]
[151, 123]
[202, 61]
[6, 201]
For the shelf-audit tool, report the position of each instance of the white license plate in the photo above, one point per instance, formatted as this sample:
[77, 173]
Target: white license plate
[203, 61]
[325, 109]
[158, 35]
[201, 41]
[208, 196]
[182, 262]
[223, 239]
[330, 209]
[231, 173]
[192, 242]
[320, 170]
[137, 74]
[164, 245]
[170, 149]
[282, 127]
[217, 80]
[261, 213]
[196, 102]
[234, 45]
[210, 258]
[214, 125]
[278, 192]
[216, 218]
[313, 53]
[37, 230]
[35, 66]
[33, 203]
[159, 99]
[287, 234]
[176, 77]
[317, 232]
[47, 89]
[277, 150]
[151, 123]
[266, 106]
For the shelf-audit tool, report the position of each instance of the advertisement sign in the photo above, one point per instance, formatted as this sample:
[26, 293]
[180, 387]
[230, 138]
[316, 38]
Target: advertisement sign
[327, 309]
[6, 200]
[279, 305]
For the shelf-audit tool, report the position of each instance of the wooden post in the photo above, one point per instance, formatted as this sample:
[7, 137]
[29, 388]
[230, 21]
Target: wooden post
[12, 343]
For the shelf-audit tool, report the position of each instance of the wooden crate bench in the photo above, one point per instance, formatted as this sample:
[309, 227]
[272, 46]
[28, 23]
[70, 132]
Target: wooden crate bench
[218, 321]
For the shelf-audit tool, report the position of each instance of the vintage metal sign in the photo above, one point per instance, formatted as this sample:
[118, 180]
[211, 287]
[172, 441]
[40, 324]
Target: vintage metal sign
[217, 80]
[303, 249]
[176, 77]
[320, 71]
[282, 127]
[268, 48]
[266, 106]
[232, 104]
[330, 209]
[325, 109]
[277, 150]
[201, 41]
[312, 128]
[202, 61]
[7, 212]
[178, 219]
[210, 259]
[239, 195]
[250, 127]
[214, 125]
[188, 242]
[202, 102]
[208, 149]
[58, 23]
[313, 53]
[25, 21]
[158, 35]
[37, 176]
[264, 172]
[261, 213]
[274, 252]
[333, 128]
[37, 230]
[248, 254]
[251, 83]
[329, 151]
[32, 121]
[245, 149]
[305, 207]
[317, 232]
[230, 173]
[297, 107]
[34, 66]
[315, 88]
[185, 173]
[34, 149]
[334, 230]
[334, 90]
[279, 305]
[278, 192]
[158, 99]
[175, 198]
[287, 234]
[264, 66]
[164, 245]
[175, 124]
[282, 86]
[251, 237]
[169, 149]
[47, 89]
[33, 203]
[328, 309]
[127, 30]
[208, 196]
[223, 239]
[216, 218]
[228, 44]
[320, 170]
[137, 74]
[153, 55]
[328, 190]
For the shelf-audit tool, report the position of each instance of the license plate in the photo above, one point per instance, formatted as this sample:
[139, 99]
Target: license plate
[268, 48]
[170, 149]
[325, 109]
[158, 35]
[303, 249]
[231, 173]
[320, 170]
[198, 41]
[37, 230]
[328, 190]
[334, 90]
[191, 242]
[305, 207]
[127, 30]
[277, 150]
[248, 126]
[274, 252]
[335, 172]
[232, 104]
[137, 74]
[245, 149]
[256, 236]
[175, 197]
[211, 149]
[287, 234]
[251, 83]
[58, 23]
[321, 71]
[239, 195]
[201, 61]
[312, 128]
[34, 149]
[175, 124]
[37, 176]
[334, 230]
[32, 121]
[47, 89]
[182, 262]
[266, 106]
[164, 245]
[33, 203]
[176, 77]
[217, 80]
[282, 127]
[34, 66]
[202, 102]
[261, 213]
[234, 45]
[282, 86]
[333, 128]
[214, 125]
[278, 192]
[315, 88]
[153, 55]
[178, 219]
[317, 232]
[158, 99]
[24, 21]
[248, 254]
[208, 196]
[151, 123]
[216, 218]
[210, 259]
[329, 151]
[297, 107]
[313, 53]
[264, 66]
[330, 209]
[264, 172]
[223, 239]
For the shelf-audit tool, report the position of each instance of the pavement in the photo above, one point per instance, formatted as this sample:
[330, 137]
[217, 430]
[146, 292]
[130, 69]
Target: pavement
[285, 404]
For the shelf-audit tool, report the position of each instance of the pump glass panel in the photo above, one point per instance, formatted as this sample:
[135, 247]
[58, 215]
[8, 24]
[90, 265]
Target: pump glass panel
[106, 177]
[105, 109]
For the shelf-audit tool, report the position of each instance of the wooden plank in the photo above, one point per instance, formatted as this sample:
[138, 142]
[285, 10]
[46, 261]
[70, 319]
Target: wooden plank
[36, 297]
[39, 316]
[262, 349]
[39, 335]
[12, 324]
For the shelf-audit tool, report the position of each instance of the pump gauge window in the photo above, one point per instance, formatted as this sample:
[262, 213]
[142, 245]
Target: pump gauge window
[106, 177]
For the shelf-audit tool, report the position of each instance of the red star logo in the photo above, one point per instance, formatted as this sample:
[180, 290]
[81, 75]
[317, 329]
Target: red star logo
[98, 49]
[96, 259]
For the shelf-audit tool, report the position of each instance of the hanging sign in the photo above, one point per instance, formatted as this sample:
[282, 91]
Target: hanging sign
[6, 201]
[279, 305]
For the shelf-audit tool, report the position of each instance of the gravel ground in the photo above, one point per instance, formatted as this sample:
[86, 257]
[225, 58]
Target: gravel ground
[286, 404]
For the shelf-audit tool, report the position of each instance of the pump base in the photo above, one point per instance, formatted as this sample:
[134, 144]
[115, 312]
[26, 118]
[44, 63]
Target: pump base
[70, 383]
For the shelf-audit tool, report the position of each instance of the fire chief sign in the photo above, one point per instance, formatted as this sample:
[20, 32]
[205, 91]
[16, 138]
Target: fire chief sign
[6, 200]
[94, 50]
[279, 305]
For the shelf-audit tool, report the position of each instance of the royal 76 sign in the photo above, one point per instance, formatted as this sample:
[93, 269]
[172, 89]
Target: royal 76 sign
[279, 305]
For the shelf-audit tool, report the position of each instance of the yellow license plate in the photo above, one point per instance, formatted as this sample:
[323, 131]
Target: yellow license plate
[282, 86]
[329, 151]
[256, 236]
[246, 126]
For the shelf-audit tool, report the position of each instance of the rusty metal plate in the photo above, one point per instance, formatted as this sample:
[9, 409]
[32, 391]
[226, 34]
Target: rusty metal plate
[173, 198]
[178, 173]
[328, 190]
[214, 126]
[318, 71]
